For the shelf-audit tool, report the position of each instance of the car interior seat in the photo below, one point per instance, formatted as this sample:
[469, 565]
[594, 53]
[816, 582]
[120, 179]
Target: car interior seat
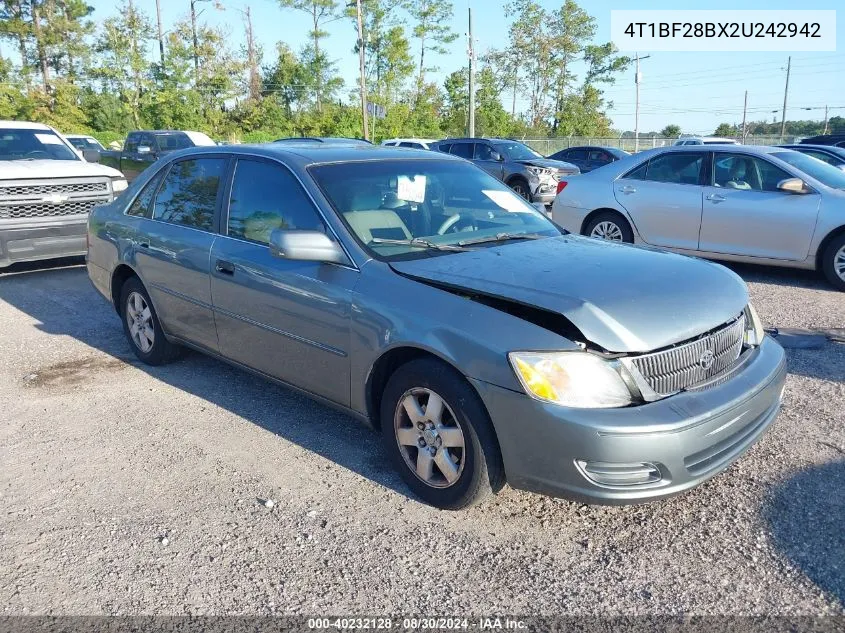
[369, 220]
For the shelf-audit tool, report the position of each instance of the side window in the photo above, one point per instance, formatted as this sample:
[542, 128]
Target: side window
[464, 150]
[676, 167]
[483, 151]
[444, 147]
[577, 154]
[131, 144]
[188, 195]
[821, 156]
[143, 204]
[638, 173]
[599, 156]
[265, 197]
[148, 140]
[736, 171]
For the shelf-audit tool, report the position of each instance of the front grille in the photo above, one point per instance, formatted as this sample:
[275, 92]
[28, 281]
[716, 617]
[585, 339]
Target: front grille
[65, 187]
[26, 199]
[72, 207]
[688, 365]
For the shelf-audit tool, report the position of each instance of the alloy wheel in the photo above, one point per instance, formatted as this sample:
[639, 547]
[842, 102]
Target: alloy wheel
[429, 437]
[520, 190]
[139, 318]
[839, 263]
[607, 231]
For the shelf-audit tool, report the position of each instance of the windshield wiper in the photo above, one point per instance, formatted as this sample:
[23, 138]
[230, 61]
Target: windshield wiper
[419, 242]
[502, 237]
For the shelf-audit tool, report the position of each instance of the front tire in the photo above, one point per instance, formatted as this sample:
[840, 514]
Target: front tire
[142, 327]
[520, 188]
[610, 226]
[439, 437]
[833, 262]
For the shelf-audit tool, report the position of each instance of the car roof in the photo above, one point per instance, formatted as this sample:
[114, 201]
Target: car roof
[713, 147]
[310, 154]
[824, 148]
[409, 140]
[24, 125]
[79, 136]
[318, 140]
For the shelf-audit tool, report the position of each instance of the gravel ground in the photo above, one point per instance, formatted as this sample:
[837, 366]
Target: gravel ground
[134, 490]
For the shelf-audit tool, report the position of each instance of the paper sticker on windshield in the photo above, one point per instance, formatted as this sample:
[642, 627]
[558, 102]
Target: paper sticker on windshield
[49, 139]
[505, 199]
[411, 190]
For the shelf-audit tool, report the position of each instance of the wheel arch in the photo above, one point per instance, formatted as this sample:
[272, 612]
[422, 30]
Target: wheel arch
[516, 178]
[832, 235]
[592, 214]
[385, 366]
[119, 276]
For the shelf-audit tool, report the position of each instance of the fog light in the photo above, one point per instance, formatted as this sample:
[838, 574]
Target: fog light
[620, 474]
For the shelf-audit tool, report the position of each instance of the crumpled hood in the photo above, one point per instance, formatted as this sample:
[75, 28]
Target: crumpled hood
[622, 298]
[550, 164]
[37, 169]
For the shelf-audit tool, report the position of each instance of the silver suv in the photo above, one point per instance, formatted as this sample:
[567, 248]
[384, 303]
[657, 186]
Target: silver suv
[521, 168]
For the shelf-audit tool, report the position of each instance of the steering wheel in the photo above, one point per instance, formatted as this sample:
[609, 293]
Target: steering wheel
[451, 224]
[37, 152]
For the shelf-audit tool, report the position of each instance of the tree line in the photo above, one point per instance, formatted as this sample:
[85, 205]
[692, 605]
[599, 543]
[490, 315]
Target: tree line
[106, 75]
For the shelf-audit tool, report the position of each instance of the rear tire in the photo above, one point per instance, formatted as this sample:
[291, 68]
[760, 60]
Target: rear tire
[438, 435]
[833, 262]
[142, 327]
[611, 226]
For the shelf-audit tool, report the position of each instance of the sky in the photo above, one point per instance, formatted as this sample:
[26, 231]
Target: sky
[695, 90]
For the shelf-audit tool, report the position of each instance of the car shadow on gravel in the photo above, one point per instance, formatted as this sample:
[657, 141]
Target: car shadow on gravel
[793, 277]
[80, 312]
[806, 516]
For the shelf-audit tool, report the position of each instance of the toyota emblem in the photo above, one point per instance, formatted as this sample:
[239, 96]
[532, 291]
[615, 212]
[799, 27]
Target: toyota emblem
[707, 359]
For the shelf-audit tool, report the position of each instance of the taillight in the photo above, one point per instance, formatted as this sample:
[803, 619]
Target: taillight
[561, 185]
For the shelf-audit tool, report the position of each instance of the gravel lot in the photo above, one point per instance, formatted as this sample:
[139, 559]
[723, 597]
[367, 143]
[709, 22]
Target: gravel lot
[134, 490]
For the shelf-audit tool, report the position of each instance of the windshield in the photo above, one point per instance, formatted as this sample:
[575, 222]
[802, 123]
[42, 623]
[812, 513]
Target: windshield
[516, 151]
[400, 209]
[18, 144]
[821, 171]
[171, 141]
[81, 143]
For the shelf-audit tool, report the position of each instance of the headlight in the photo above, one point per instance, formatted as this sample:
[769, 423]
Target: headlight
[118, 185]
[571, 379]
[754, 332]
[539, 171]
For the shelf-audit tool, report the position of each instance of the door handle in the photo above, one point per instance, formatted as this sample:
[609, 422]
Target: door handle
[144, 244]
[225, 268]
[628, 189]
[715, 197]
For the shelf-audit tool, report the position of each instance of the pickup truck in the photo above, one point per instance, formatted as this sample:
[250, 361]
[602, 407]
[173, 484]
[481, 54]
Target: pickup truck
[144, 147]
[46, 193]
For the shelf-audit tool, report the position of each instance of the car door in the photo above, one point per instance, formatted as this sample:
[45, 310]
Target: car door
[173, 250]
[663, 196]
[746, 214]
[129, 157]
[288, 319]
[486, 157]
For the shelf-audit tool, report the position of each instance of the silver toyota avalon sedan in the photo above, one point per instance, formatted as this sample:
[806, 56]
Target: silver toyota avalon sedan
[418, 293]
[762, 205]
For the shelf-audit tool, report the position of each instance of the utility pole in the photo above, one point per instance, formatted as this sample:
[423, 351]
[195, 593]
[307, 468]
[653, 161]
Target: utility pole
[471, 52]
[825, 120]
[196, 44]
[362, 69]
[637, 79]
[254, 81]
[160, 33]
[785, 93]
[744, 111]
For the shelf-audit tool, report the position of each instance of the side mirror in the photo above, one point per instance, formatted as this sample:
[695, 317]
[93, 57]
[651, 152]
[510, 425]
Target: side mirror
[91, 155]
[496, 156]
[307, 246]
[145, 149]
[792, 185]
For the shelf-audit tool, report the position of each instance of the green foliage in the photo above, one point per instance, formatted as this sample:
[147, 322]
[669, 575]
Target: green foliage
[671, 131]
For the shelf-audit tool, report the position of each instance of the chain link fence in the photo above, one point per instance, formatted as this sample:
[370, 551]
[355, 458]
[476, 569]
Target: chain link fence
[548, 146]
